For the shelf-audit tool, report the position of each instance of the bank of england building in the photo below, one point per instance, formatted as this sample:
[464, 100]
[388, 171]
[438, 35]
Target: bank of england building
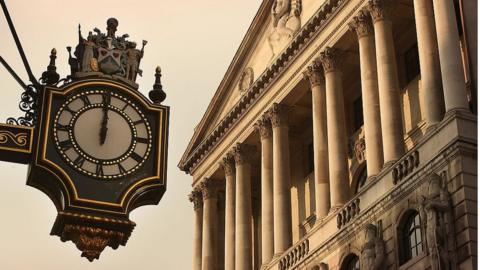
[342, 136]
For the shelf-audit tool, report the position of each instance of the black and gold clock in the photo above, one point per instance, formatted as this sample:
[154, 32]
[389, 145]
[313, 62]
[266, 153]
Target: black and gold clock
[102, 133]
[100, 152]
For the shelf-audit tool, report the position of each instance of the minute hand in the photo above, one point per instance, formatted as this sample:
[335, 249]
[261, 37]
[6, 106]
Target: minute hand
[104, 128]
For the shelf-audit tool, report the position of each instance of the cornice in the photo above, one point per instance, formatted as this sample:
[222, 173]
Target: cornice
[305, 36]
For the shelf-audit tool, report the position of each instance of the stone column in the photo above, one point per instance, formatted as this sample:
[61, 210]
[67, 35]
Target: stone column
[209, 189]
[362, 26]
[429, 62]
[243, 207]
[196, 198]
[264, 128]
[336, 130]
[453, 78]
[388, 86]
[228, 165]
[314, 74]
[282, 211]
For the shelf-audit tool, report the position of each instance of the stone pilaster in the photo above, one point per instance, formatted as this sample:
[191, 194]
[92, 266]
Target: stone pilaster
[196, 198]
[264, 128]
[282, 211]
[243, 207]
[336, 131]
[388, 85]
[228, 165]
[451, 65]
[362, 25]
[314, 74]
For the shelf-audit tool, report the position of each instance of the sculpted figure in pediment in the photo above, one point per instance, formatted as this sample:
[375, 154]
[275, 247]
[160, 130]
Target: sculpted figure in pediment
[286, 23]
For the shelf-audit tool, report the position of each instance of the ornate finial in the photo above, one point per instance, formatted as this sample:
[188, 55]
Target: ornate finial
[112, 25]
[51, 77]
[156, 94]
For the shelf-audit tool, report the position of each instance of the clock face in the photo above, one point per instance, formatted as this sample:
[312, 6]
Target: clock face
[102, 134]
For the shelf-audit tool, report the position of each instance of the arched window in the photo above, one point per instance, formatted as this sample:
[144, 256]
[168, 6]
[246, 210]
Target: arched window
[351, 262]
[410, 237]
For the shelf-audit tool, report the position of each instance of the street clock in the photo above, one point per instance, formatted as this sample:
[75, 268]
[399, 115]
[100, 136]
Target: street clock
[94, 144]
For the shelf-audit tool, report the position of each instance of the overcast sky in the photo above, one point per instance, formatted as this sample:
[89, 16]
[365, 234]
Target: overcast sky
[193, 41]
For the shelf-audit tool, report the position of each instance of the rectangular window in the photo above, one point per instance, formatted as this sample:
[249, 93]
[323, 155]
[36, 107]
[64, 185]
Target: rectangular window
[412, 63]
[357, 113]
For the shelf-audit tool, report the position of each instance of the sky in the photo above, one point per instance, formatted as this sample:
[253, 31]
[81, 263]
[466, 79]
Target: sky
[194, 42]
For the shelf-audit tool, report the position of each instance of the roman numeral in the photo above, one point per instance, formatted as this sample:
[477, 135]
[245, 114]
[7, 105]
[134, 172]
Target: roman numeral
[121, 168]
[141, 140]
[65, 145]
[136, 157]
[85, 100]
[72, 112]
[125, 106]
[99, 169]
[138, 122]
[79, 161]
[106, 98]
[63, 127]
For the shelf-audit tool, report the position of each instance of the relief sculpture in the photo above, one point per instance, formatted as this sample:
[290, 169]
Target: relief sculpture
[373, 251]
[436, 211]
[286, 23]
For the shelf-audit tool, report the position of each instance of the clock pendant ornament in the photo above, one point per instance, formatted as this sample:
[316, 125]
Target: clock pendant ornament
[100, 146]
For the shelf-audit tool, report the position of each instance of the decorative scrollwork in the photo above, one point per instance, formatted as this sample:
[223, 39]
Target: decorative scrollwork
[28, 105]
[19, 139]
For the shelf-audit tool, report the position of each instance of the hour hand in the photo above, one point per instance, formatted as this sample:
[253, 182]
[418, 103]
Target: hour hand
[104, 128]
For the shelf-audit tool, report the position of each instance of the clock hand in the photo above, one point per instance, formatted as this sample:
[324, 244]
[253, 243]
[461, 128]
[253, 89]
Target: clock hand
[104, 128]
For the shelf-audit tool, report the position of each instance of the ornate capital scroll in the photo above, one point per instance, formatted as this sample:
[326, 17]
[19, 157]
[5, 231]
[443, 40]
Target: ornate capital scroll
[196, 198]
[209, 188]
[379, 9]
[314, 73]
[331, 59]
[228, 164]
[243, 153]
[264, 127]
[362, 24]
[278, 115]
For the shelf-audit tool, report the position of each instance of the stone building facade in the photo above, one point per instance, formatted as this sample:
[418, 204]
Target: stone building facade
[343, 136]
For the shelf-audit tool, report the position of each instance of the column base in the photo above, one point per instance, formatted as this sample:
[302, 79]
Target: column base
[371, 178]
[335, 209]
[388, 164]
[455, 111]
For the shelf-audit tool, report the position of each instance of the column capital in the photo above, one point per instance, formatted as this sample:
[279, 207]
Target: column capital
[314, 73]
[209, 188]
[362, 24]
[331, 59]
[264, 127]
[278, 115]
[243, 153]
[228, 164]
[379, 9]
[196, 198]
